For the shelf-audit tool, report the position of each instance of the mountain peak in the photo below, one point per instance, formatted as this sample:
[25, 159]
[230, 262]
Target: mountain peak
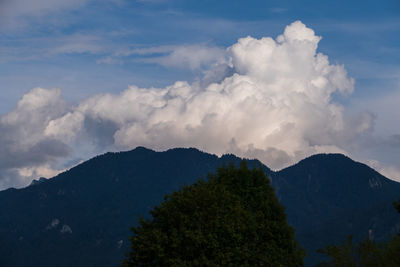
[327, 156]
[141, 149]
[338, 167]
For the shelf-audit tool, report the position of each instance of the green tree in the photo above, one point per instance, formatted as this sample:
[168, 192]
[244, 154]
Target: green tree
[231, 219]
[367, 253]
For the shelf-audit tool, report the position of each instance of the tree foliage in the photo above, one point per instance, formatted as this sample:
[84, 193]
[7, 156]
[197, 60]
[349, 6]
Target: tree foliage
[367, 253]
[231, 219]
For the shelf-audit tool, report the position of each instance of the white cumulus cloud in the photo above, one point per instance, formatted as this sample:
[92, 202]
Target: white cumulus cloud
[276, 103]
[26, 151]
[268, 98]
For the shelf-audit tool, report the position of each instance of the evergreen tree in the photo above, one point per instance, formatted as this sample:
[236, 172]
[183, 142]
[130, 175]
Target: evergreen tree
[231, 219]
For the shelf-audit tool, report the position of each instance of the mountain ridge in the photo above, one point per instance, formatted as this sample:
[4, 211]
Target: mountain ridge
[88, 209]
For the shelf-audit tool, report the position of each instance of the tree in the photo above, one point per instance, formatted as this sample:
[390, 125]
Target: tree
[231, 219]
[367, 253]
[397, 205]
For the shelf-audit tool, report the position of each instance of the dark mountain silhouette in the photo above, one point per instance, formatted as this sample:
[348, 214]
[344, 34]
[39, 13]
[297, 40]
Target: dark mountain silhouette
[82, 217]
[330, 196]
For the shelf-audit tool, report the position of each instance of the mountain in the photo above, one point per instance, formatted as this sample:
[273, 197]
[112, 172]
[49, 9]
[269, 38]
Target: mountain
[82, 217]
[329, 196]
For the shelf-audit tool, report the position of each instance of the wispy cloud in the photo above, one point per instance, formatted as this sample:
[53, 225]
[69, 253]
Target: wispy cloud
[192, 56]
[183, 56]
[147, 50]
[79, 43]
[109, 60]
[45, 47]
[16, 11]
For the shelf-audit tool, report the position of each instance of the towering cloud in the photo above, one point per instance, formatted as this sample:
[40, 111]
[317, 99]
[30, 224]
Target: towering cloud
[268, 98]
[26, 151]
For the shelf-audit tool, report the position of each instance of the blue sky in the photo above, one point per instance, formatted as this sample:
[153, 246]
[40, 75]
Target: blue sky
[362, 35]
[89, 47]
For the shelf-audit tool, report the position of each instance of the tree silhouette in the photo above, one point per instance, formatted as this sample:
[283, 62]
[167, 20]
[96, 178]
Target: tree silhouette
[231, 219]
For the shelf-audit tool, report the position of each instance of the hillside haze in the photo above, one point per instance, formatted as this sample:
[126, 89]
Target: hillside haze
[82, 217]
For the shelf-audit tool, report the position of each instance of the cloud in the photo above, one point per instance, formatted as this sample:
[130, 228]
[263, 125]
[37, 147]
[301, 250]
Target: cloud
[23, 142]
[13, 10]
[385, 108]
[391, 172]
[276, 104]
[387, 170]
[109, 60]
[195, 56]
[264, 98]
[78, 43]
[189, 56]
[46, 47]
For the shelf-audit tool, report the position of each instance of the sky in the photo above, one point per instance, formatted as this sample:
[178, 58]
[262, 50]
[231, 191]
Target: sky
[273, 80]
